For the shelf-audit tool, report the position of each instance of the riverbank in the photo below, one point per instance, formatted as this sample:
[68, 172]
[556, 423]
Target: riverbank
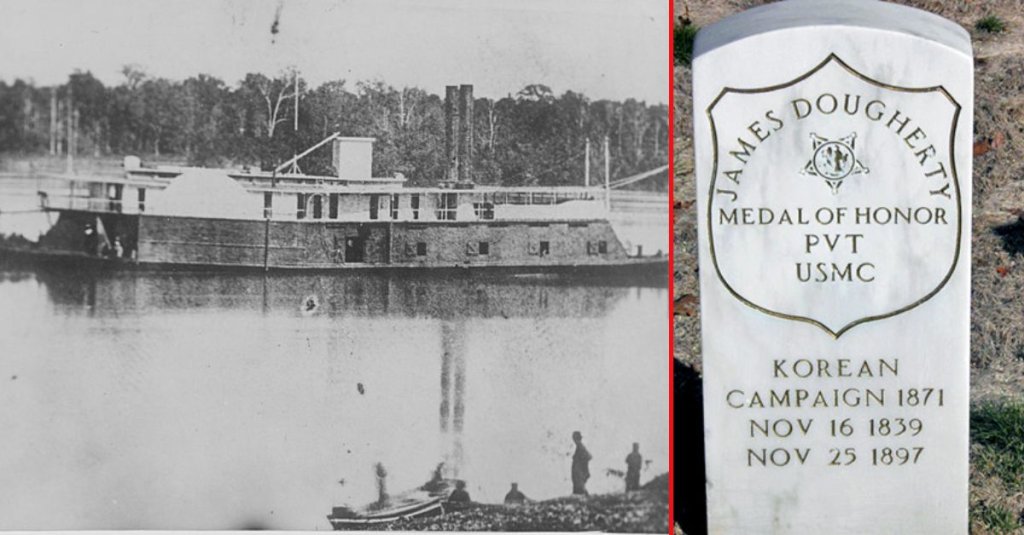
[642, 511]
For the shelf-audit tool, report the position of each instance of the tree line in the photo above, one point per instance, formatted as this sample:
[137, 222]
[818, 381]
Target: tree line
[532, 137]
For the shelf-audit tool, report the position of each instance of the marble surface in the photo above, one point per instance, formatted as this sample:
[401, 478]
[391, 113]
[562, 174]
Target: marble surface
[872, 14]
[834, 193]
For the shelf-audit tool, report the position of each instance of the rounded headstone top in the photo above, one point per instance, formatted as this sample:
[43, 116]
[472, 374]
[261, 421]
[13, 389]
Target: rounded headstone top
[854, 13]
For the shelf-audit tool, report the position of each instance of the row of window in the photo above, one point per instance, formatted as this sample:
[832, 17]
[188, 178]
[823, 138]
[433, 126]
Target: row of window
[312, 206]
[473, 248]
[483, 248]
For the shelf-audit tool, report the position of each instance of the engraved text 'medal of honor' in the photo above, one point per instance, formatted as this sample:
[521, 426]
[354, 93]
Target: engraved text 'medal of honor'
[834, 216]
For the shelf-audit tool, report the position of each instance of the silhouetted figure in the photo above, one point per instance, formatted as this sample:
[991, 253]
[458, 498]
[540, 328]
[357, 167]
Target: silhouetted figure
[633, 463]
[514, 496]
[436, 482]
[459, 495]
[382, 489]
[91, 240]
[580, 465]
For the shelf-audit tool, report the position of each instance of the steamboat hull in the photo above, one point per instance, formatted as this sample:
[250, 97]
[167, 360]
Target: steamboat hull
[154, 241]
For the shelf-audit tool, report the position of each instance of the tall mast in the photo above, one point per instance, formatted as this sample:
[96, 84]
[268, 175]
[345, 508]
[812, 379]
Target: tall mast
[586, 165]
[295, 80]
[71, 131]
[607, 178]
[53, 122]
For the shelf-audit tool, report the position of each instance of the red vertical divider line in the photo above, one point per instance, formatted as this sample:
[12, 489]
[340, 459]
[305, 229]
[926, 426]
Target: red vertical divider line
[671, 263]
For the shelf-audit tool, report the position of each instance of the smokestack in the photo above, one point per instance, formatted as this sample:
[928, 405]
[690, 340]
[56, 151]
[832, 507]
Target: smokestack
[451, 132]
[465, 134]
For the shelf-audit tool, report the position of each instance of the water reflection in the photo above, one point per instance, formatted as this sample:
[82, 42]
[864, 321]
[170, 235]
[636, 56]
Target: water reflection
[221, 400]
[416, 294]
[453, 388]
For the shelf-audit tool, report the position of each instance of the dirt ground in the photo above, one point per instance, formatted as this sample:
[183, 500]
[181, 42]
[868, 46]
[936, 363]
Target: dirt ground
[997, 325]
[642, 511]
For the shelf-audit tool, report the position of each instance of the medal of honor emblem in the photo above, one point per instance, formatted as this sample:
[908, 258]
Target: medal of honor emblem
[834, 160]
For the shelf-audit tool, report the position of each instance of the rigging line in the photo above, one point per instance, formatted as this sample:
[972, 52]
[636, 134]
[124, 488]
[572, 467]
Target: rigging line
[636, 178]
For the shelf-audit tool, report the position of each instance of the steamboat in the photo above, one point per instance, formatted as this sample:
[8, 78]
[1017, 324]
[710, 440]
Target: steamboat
[288, 220]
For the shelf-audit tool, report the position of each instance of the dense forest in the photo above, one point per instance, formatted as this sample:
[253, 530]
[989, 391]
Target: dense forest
[533, 137]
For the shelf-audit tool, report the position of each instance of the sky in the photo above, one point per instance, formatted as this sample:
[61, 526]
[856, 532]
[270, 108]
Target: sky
[613, 49]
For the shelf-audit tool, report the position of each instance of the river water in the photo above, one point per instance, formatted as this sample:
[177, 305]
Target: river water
[188, 400]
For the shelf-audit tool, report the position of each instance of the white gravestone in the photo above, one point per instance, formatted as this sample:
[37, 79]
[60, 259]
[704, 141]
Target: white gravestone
[833, 146]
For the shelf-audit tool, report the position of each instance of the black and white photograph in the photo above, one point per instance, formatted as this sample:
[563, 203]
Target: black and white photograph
[335, 265]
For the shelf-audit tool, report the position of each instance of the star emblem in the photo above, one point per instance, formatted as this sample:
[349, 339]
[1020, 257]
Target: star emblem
[834, 160]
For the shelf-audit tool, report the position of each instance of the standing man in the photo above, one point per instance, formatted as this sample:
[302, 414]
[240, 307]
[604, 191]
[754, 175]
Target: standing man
[633, 463]
[580, 465]
[382, 489]
[91, 240]
[515, 496]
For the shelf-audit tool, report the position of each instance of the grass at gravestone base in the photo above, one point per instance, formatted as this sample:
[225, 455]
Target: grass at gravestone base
[997, 465]
[682, 40]
[997, 246]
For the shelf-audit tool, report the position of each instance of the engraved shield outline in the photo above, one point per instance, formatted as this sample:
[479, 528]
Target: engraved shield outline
[832, 57]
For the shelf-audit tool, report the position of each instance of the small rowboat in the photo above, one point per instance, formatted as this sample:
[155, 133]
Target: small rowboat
[411, 504]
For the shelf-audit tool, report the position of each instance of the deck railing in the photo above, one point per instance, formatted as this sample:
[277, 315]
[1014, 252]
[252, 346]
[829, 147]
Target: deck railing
[89, 204]
[487, 205]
